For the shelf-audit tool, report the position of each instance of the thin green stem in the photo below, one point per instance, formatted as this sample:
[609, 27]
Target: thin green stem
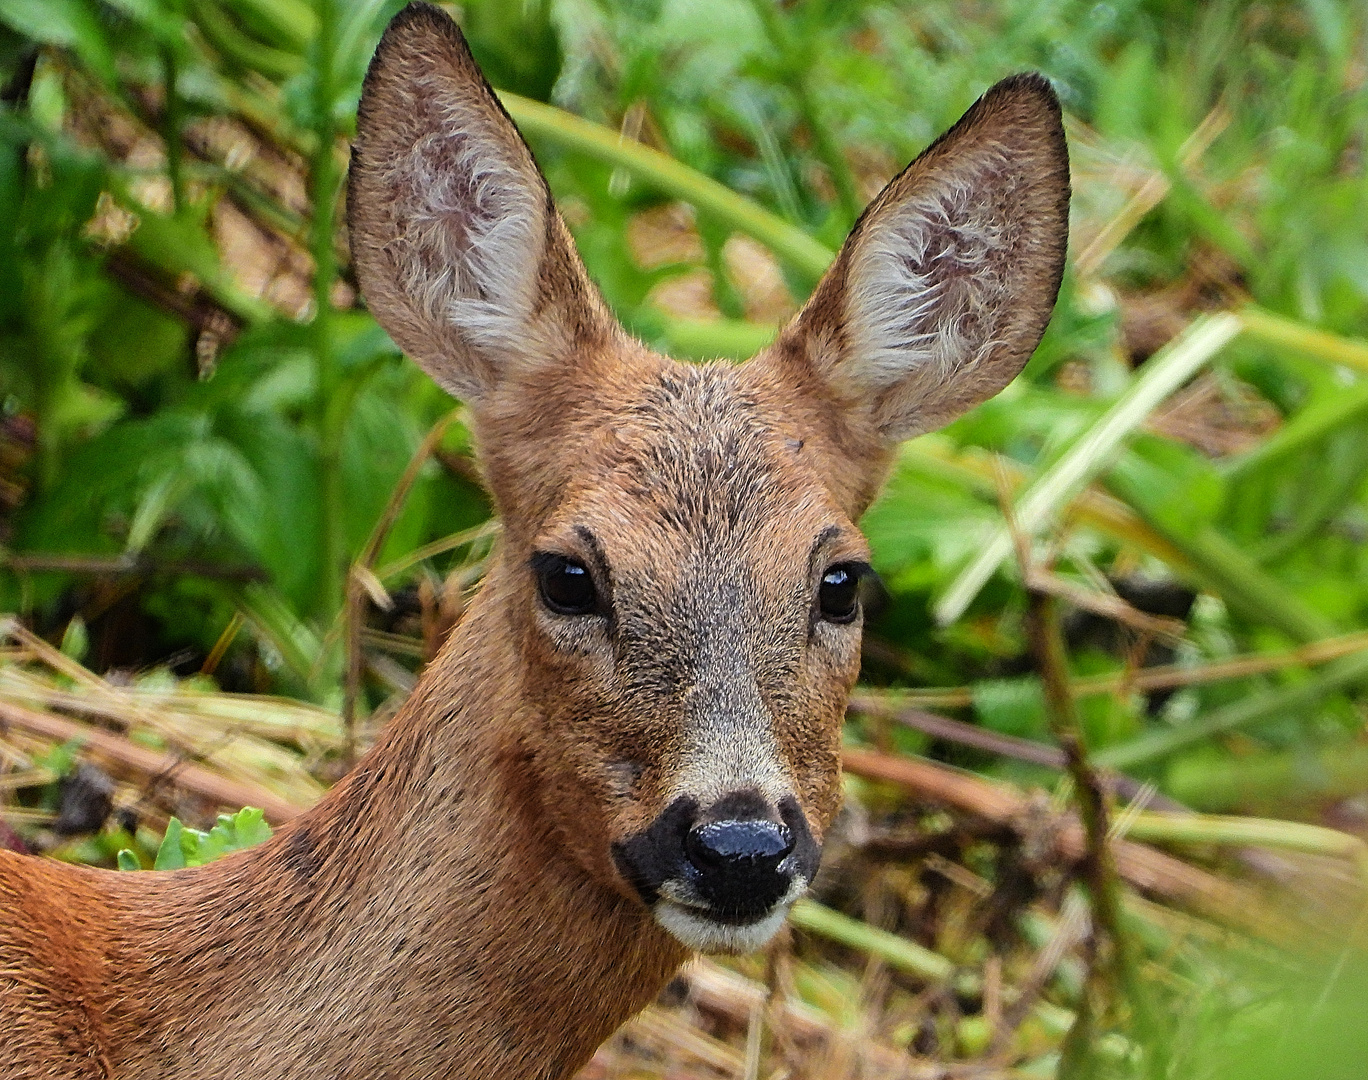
[794, 66]
[807, 256]
[897, 952]
[323, 185]
[173, 120]
[1151, 827]
[907, 956]
[1273, 329]
[714, 235]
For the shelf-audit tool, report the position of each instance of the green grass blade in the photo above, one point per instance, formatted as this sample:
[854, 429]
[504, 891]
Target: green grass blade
[1273, 329]
[660, 171]
[897, 952]
[1293, 700]
[1092, 451]
[1152, 827]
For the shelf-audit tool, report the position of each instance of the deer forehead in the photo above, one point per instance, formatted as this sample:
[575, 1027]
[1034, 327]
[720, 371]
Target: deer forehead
[694, 469]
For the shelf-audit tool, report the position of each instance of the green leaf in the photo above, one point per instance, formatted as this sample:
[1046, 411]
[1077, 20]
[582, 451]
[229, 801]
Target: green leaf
[183, 846]
[76, 639]
[128, 859]
[61, 759]
[171, 855]
[232, 832]
[1011, 706]
[250, 825]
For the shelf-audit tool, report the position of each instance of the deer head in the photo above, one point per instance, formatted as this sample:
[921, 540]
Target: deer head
[680, 567]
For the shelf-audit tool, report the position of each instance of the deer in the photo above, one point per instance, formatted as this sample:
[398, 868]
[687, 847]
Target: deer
[628, 751]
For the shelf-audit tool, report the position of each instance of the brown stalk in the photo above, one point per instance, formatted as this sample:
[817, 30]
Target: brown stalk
[994, 742]
[1141, 866]
[162, 766]
[1098, 865]
[1165, 677]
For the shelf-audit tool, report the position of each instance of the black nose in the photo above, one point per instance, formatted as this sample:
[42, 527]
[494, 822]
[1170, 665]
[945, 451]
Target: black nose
[750, 846]
[738, 864]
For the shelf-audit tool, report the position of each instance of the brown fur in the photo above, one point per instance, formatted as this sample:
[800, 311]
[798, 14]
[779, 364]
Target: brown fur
[451, 908]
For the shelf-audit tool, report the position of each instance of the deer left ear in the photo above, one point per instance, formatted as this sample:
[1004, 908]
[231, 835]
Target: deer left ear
[946, 283]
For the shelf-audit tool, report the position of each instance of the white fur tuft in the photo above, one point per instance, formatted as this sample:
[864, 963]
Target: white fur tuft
[691, 925]
[470, 226]
[927, 280]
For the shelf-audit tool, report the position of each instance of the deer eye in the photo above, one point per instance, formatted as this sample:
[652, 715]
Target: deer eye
[838, 597]
[565, 584]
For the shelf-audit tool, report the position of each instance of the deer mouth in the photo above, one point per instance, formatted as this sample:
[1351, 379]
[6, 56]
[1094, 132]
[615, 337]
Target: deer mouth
[722, 879]
[707, 931]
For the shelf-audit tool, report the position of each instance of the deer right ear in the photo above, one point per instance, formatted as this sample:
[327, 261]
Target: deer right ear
[456, 244]
[944, 287]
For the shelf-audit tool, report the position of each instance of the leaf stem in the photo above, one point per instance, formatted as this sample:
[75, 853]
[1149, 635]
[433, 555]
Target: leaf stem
[173, 120]
[323, 185]
[807, 256]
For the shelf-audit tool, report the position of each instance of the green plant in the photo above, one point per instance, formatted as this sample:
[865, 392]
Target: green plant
[183, 846]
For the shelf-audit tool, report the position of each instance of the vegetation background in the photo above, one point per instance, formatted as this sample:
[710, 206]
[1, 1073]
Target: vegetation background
[235, 521]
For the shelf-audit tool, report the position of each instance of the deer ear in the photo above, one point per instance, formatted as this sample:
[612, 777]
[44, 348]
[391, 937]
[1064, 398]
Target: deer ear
[457, 246]
[947, 281]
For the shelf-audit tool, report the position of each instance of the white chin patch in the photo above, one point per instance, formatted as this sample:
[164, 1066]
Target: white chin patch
[694, 929]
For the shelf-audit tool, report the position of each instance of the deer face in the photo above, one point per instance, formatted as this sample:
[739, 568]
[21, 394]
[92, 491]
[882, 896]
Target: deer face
[693, 632]
[681, 566]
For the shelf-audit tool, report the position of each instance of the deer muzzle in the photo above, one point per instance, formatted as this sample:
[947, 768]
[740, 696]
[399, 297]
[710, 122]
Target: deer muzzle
[721, 878]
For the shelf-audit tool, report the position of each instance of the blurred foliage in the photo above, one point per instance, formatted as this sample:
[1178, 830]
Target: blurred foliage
[201, 426]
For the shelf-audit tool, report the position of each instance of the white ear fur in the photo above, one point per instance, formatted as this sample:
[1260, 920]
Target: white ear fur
[922, 289]
[457, 246]
[470, 230]
[947, 282]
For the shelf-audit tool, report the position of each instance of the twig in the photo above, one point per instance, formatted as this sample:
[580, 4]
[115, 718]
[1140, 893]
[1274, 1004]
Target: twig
[1098, 866]
[994, 742]
[1142, 867]
[185, 775]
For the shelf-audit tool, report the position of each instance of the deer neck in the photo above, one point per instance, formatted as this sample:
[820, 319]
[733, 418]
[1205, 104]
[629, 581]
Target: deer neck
[422, 920]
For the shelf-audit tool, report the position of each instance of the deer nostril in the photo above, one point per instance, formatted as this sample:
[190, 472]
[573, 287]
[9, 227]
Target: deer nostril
[738, 845]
